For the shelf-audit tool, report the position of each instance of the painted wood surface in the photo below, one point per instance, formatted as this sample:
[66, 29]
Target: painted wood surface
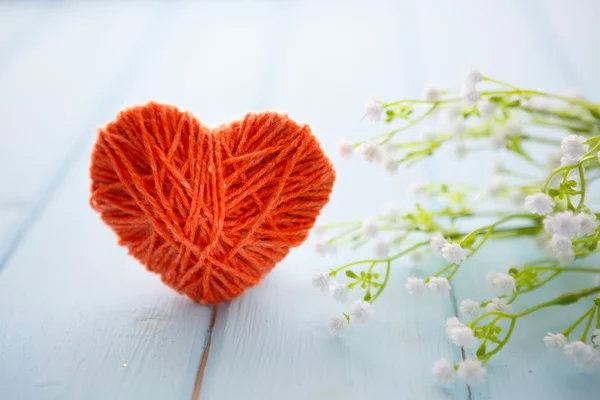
[80, 319]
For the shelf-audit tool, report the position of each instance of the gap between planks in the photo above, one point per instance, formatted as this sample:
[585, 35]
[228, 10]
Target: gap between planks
[201, 368]
[462, 349]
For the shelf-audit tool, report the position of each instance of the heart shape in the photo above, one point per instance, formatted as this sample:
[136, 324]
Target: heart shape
[210, 210]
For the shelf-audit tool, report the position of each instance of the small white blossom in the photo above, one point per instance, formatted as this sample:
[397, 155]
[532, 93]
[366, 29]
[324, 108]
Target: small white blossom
[458, 127]
[381, 248]
[339, 291]
[451, 323]
[360, 312]
[323, 245]
[390, 165]
[498, 137]
[474, 76]
[428, 135]
[373, 109]
[472, 372]
[453, 253]
[345, 149]
[453, 111]
[553, 159]
[565, 258]
[499, 304]
[321, 281]
[564, 223]
[418, 189]
[463, 336]
[443, 371]
[432, 93]
[560, 244]
[596, 337]
[514, 126]
[415, 286]
[573, 149]
[391, 211]
[470, 94]
[539, 203]
[495, 187]
[337, 324]
[371, 152]
[583, 355]
[469, 308]
[460, 150]
[370, 227]
[587, 223]
[486, 109]
[503, 283]
[437, 243]
[555, 341]
[439, 286]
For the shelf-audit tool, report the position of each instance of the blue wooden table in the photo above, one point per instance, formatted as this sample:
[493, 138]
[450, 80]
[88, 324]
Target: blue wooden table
[79, 319]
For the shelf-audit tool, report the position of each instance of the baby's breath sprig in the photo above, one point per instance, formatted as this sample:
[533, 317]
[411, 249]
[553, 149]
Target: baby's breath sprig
[551, 201]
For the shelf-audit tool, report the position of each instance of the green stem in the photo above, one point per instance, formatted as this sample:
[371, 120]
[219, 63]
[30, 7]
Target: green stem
[384, 284]
[579, 320]
[504, 341]
[588, 325]
[582, 180]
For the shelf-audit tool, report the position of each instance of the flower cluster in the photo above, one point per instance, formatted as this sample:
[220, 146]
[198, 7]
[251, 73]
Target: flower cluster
[554, 205]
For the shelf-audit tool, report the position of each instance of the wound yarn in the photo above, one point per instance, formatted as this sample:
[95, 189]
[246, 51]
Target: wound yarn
[212, 210]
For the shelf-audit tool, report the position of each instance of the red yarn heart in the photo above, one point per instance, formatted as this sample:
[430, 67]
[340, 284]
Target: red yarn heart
[210, 210]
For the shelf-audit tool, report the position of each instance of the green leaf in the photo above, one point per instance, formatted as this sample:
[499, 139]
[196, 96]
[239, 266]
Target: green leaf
[553, 192]
[347, 317]
[597, 301]
[567, 298]
[376, 275]
[367, 296]
[363, 285]
[362, 274]
[481, 350]
[571, 183]
[351, 274]
[498, 329]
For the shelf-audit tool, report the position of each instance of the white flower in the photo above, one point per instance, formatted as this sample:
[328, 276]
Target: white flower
[337, 324]
[503, 283]
[486, 109]
[460, 150]
[555, 341]
[321, 281]
[360, 312]
[323, 245]
[371, 152]
[472, 372]
[373, 109]
[565, 258]
[451, 323]
[560, 244]
[443, 371]
[539, 203]
[439, 286]
[563, 223]
[344, 149]
[470, 94]
[462, 336]
[587, 223]
[474, 76]
[583, 355]
[418, 189]
[370, 227]
[514, 126]
[381, 248]
[437, 243]
[498, 137]
[428, 135]
[432, 93]
[339, 291]
[453, 253]
[453, 111]
[391, 211]
[499, 304]
[415, 286]
[469, 308]
[573, 149]
[390, 165]
[553, 159]
[495, 187]
[458, 127]
[596, 337]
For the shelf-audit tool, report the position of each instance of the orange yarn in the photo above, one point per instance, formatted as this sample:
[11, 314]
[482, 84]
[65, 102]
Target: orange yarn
[210, 210]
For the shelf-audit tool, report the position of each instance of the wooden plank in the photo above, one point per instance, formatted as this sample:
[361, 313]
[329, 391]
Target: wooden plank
[272, 341]
[78, 317]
